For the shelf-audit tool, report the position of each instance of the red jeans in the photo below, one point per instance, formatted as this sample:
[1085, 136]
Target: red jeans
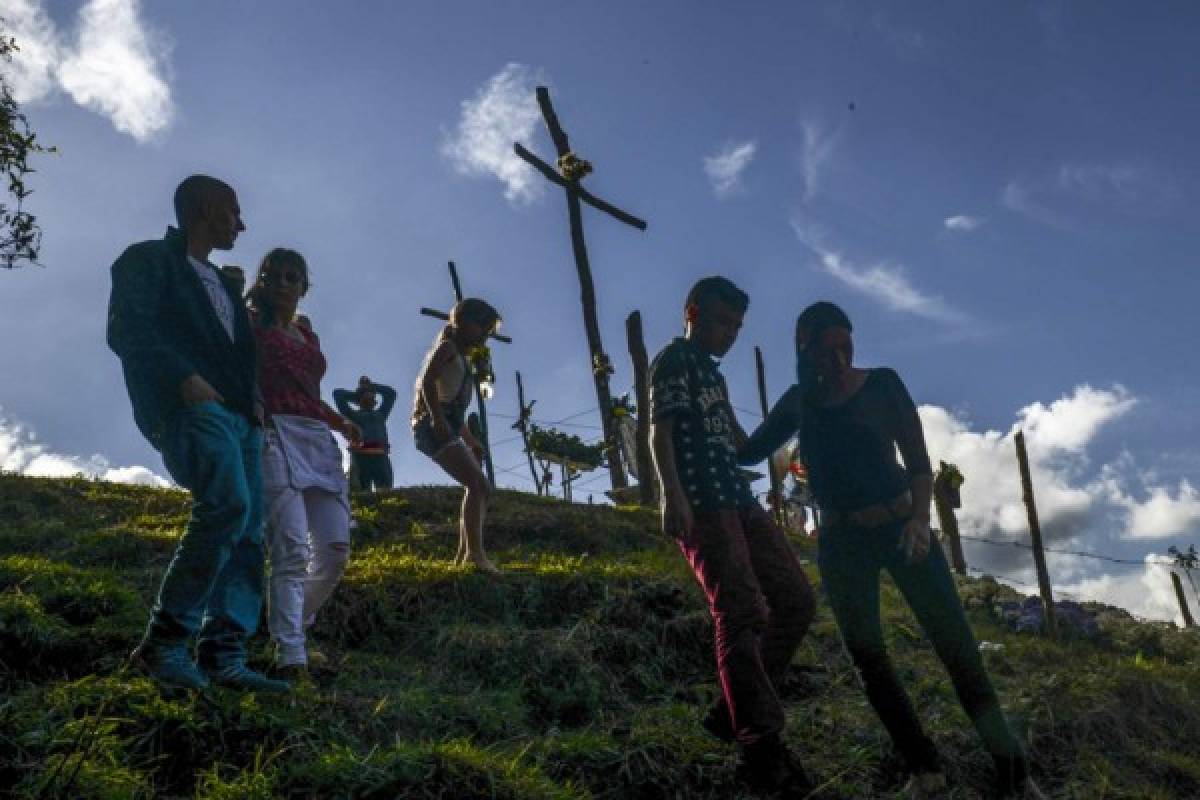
[761, 605]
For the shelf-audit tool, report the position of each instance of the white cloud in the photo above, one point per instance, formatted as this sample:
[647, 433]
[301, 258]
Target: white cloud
[1144, 592]
[32, 71]
[503, 111]
[1075, 511]
[725, 168]
[114, 66]
[1070, 423]
[885, 282]
[903, 39]
[20, 452]
[116, 69]
[1062, 198]
[962, 223]
[816, 150]
[1165, 512]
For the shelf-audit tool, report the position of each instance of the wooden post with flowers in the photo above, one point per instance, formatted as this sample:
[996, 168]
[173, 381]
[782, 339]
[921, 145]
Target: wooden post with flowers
[1188, 622]
[946, 498]
[777, 504]
[480, 359]
[1035, 533]
[571, 169]
[641, 386]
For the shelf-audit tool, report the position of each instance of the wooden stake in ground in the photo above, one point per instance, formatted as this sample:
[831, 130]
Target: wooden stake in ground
[776, 480]
[522, 425]
[488, 466]
[570, 170]
[1188, 622]
[641, 381]
[1035, 532]
[946, 498]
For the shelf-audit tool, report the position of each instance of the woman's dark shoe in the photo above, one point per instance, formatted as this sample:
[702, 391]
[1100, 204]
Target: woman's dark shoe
[767, 767]
[1013, 781]
[925, 784]
[717, 722]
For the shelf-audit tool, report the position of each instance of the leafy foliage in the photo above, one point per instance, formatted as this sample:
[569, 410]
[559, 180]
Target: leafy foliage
[20, 236]
[554, 445]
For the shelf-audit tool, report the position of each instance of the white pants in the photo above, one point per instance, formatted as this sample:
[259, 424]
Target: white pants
[308, 542]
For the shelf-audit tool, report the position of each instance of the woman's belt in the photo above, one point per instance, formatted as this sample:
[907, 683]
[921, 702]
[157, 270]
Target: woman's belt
[898, 508]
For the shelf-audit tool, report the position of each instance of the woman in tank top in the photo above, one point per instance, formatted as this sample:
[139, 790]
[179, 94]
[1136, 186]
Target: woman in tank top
[875, 515]
[305, 494]
[440, 431]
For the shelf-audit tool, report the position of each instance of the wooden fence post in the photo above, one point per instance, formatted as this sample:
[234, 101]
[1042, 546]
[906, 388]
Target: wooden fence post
[647, 482]
[945, 500]
[1188, 622]
[1035, 533]
[776, 481]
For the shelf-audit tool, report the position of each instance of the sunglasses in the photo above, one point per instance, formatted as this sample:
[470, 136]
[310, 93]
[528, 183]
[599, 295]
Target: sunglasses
[283, 277]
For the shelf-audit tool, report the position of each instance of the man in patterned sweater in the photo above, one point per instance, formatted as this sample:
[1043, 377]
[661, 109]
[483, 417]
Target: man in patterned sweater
[760, 600]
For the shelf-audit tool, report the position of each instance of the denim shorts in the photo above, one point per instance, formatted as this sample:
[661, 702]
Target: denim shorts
[427, 441]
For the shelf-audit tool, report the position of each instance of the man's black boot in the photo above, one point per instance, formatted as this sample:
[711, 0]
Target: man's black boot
[768, 767]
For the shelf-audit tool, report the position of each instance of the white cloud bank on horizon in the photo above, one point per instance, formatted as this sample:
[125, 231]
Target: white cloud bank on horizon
[1076, 512]
[21, 453]
[724, 170]
[884, 282]
[504, 110]
[962, 223]
[115, 66]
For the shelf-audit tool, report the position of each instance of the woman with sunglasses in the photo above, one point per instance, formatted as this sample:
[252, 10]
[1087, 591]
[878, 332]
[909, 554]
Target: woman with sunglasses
[440, 430]
[875, 515]
[304, 489]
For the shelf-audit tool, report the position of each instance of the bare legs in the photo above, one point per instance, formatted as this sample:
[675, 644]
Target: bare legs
[459, 463]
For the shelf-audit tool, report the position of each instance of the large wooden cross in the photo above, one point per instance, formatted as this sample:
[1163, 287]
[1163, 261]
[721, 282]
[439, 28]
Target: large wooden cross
[571, 170]
[483, 426]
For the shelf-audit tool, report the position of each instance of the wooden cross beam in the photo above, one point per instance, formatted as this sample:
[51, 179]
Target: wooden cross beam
[569, 181]
[442, 315]
[479, 400]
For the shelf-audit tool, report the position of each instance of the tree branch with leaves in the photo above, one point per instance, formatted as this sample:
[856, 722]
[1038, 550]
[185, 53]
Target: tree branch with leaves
[20, 234]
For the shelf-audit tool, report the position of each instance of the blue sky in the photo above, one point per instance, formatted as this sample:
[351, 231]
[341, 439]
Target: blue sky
[1003, 196]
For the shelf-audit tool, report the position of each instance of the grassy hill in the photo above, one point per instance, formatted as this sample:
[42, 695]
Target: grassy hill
[581, 674]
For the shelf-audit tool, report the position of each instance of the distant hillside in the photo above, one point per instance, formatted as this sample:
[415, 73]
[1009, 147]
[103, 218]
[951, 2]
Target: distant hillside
[581, 674]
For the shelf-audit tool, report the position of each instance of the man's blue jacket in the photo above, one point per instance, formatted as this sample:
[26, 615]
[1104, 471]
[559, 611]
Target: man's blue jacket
[162, 325]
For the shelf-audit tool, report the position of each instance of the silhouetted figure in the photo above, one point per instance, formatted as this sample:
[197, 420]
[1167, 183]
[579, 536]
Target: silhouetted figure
[440, 431]
[369, 406]
[760, 600]
[307, 499]
[187, 351]
[875, 515]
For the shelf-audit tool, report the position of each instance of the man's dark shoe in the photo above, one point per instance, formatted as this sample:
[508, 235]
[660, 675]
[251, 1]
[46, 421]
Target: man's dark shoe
[239, 676]
[767, 767]
[290, 673]
[717, 722]
[169, 665]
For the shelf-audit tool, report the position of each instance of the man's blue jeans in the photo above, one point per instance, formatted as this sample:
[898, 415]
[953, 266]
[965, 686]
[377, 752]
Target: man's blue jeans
[213, 587]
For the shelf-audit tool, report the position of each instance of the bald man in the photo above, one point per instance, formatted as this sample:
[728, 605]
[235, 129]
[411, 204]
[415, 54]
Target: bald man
[187, 353]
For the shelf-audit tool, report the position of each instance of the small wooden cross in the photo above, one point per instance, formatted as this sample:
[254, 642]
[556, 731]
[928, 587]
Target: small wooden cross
[572, 170]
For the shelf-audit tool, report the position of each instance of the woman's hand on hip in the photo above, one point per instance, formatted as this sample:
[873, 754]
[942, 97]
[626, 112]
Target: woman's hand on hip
[915, 540]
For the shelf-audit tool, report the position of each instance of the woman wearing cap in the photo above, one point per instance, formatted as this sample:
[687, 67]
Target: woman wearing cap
[440, 431]
[875, 515]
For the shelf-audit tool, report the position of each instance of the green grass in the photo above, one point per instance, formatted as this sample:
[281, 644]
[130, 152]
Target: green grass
[581, 674]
